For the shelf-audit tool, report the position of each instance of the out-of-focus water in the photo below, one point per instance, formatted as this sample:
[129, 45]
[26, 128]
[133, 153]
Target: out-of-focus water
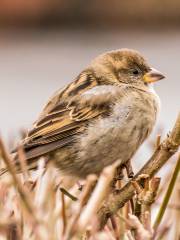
[35, 64]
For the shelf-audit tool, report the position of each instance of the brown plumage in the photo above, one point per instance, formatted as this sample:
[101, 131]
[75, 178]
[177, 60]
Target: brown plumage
[104, 115]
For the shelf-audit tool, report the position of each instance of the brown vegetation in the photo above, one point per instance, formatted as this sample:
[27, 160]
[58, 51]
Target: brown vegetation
[41, 206]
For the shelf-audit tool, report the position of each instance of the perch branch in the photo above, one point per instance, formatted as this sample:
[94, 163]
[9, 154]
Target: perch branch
[161, 155]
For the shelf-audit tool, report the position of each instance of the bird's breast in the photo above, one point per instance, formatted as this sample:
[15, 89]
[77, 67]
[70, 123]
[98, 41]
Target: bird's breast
[119, 135]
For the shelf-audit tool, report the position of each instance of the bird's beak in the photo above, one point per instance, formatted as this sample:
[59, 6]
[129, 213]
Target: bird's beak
[153, 76]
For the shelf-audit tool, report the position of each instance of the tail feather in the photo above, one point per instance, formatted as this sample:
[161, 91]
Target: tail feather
[32, 163]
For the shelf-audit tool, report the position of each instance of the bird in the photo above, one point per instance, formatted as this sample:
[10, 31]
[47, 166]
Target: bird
[104, 115]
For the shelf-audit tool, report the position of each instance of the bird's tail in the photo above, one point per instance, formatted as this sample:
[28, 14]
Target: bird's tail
[30, 163]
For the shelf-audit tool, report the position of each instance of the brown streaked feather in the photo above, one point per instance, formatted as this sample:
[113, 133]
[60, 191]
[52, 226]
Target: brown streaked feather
[51, 138]
[57, 102]
[43, 149]
[64, 117]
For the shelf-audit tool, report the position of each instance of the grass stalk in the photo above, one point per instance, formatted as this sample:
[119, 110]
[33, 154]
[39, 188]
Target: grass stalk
[167, 195]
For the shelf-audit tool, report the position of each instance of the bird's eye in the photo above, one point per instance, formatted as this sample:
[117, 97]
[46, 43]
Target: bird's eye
[135, 72]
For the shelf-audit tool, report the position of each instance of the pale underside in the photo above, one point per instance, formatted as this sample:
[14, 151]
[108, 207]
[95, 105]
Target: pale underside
[113, 137]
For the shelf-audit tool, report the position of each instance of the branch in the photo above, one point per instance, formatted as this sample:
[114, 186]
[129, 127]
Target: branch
[161, 155]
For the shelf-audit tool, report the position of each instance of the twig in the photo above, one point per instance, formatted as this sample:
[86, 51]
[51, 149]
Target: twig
[141, 232]
[63, 213]
[133, 223]
[145, 197]
[167, 195]
[161, 155]
[23, 163]
[121, 224]
[91, 179]
[98, 195]
[24, 194]
[173, 206]
[115, 227]
[13, 233]
[158, 141]
[68, 194]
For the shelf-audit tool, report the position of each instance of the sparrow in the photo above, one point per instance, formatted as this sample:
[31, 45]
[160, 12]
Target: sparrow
[104, 115]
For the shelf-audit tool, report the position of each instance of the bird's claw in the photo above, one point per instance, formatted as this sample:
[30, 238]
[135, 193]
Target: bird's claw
[120, 175]
[129, 169]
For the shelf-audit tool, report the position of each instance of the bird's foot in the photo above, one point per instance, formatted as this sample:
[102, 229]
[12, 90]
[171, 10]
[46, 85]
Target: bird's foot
[129, 169]
[119, 172]
[120, 175]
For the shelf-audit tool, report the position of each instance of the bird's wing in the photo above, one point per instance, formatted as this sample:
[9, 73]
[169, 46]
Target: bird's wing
[64, 117]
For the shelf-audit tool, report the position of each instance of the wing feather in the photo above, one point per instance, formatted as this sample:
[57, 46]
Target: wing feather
[47, 148]
[65, 116]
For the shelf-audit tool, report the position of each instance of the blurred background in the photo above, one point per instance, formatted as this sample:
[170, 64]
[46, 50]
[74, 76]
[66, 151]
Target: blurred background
[44, 44]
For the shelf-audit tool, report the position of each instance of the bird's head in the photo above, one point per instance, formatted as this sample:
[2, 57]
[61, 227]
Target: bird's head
[125, 66]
